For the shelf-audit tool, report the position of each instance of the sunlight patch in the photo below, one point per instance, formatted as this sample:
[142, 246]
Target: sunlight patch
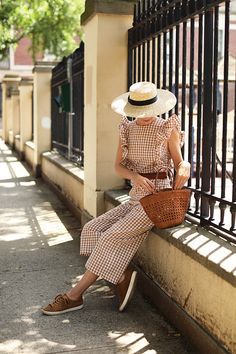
[49, 222]
[229, 264]
[134, 342]
[11, 159]
[219, 255]
[10, 346]
[59, 239]
[13, 237]
[198, 241]
[208, 248]
[7, 184]
[181, 232]
[28, 184]
[5, 172]
[123, 198]
[18, 169]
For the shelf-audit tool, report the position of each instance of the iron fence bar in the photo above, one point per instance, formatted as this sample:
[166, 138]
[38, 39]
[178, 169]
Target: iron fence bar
[225, 113]
[184, 58]
[58, 83]
[215, 82]
[143, 60]
[71, 113]
[164, 59]
[78, 106]
[148, 61]
[191, 96]
[220, 163]
[134, 65]
[130, 65]
[59, 145]
[159, 61]
[234, 147]
[143, 14]
[139, 63]
[199, 104]
[176, 66]
[153, 60]
[233, 208]
[152, 29]
[225, 99]
[171, 60]
[207, 111]
[78, 152]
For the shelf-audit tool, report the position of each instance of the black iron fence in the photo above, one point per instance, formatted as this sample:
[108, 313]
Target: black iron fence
[68, 106]
[186, 46]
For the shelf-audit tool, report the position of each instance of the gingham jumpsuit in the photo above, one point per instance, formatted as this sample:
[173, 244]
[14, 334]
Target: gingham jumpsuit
[113, 238]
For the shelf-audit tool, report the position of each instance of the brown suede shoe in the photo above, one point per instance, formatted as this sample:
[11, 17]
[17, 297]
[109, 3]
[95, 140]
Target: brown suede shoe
[125, 288]
[62, 304]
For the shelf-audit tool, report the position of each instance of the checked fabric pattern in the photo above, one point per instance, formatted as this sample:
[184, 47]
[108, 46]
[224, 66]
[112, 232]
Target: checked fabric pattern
[112, 239]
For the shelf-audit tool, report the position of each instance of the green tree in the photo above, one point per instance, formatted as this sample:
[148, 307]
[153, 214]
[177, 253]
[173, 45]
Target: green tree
[51, 25]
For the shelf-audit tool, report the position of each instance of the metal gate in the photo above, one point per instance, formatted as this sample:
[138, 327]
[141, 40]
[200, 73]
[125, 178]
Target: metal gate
[67, 102]
[186, 46]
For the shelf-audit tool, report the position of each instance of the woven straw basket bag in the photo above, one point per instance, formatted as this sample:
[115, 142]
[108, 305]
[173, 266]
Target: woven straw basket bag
[167, 207]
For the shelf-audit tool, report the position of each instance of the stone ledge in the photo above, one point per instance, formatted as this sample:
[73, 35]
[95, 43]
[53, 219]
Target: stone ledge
[211, 251]
[30, 144]
[44, 66]
[65, 165]
[189, 274]
[121, 7]
[26, 81]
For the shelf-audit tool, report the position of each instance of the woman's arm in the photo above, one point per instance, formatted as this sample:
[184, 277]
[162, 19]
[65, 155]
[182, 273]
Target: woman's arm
[136, 178]
[182, 167]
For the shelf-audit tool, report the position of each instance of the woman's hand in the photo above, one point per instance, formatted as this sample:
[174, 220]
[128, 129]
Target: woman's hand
[182, 174]
[143, 182]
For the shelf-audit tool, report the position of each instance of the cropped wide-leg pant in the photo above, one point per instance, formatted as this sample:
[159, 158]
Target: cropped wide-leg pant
[112, 239]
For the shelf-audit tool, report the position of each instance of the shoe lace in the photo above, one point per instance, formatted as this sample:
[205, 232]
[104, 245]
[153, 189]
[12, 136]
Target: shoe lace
[60, 298]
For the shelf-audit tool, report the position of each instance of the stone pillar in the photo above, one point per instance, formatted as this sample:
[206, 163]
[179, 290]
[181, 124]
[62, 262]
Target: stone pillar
[106, 25]
[9, 85]
[26, 89]
[15, 101]
[42, 112]
[5, 112]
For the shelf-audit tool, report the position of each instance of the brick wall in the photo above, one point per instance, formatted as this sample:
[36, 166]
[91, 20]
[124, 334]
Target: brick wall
[22, 55]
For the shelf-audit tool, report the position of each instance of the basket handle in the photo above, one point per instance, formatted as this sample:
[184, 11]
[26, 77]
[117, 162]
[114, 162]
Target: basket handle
[169, 173]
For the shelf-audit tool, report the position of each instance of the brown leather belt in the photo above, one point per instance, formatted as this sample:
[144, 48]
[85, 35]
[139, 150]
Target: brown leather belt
[154, 175]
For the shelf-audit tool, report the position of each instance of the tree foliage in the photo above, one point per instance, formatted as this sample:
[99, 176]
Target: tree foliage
[51, 25]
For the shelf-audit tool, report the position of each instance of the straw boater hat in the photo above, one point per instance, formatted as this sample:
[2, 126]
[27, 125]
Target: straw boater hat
[144, 100]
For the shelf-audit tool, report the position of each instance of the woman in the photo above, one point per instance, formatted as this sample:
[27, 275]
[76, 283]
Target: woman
[146, 149]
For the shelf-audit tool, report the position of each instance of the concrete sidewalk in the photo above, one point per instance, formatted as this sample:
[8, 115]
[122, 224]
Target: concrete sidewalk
[39, 258]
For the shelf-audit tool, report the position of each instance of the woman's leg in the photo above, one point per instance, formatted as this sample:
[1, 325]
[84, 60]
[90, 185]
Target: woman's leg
[89, 238]
[93, 230]
[85, 282]
[118, 244]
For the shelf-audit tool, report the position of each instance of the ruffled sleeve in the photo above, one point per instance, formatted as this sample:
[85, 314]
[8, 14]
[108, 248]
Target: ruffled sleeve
[124, 134]
[171, 123]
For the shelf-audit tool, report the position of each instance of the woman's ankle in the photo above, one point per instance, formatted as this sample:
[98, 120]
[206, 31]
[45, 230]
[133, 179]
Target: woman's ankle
[73, 297]
[121, 279]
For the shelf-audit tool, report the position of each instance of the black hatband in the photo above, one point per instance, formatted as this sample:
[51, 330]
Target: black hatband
[142, 103]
